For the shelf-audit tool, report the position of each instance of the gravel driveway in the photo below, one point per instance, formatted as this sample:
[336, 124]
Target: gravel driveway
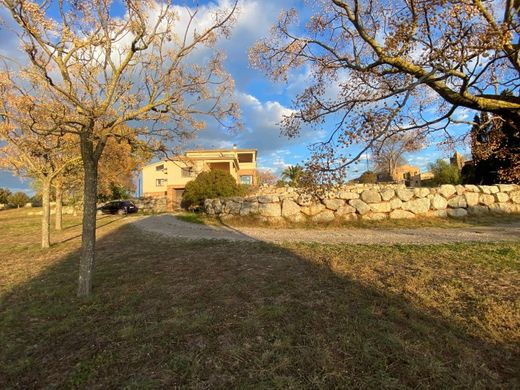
[170, 226]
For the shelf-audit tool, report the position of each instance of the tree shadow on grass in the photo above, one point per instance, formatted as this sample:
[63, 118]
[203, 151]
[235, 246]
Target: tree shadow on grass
[229, 314]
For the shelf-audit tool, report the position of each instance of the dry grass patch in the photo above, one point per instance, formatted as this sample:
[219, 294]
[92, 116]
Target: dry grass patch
[223, 314]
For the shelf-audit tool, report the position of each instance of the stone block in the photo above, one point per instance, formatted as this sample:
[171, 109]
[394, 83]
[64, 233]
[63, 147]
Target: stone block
[375, 216]
[478, 210]
[324, 216]
[417, 206]
[371, 196]
[401, 214]
[396, 203]
[471, 188]
[472, 198]
[506, 187]
[404, 194]
[447, 190]
[387, 193]
[360, 206]
[348, 195]
[313, 209]
[438, 202]
[457, 201]
[268, 199]
[344, 210]
[383, 207]
[249, 208]
[457, 213]
[486, 199]
[270, 209]
[421, 192]
[333, 204]
[289, 208]
[515, 197]
[501, 197]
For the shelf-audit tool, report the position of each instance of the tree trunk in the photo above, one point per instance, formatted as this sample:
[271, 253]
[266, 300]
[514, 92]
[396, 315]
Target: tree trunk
[59, 207]
[88, 236]
[46, 216]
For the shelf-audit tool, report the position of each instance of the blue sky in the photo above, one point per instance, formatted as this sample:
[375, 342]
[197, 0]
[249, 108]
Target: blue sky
[263, 103]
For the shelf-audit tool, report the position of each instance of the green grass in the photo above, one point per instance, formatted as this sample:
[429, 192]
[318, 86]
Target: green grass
[206, 314]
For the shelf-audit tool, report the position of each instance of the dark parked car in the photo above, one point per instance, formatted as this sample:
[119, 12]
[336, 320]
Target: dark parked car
[121, 207]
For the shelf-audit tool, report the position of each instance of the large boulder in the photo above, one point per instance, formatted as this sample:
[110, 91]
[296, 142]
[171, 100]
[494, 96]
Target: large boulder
[348, 195]
[486, 199]
[383, 207]
[501, 197]
[371, 196]
[270, 209]
[249, 208]
[457, 201]
[401, 214]
[478, 210]
[289, 207]
[472, 198]
[502, 208]
[417, 206]
[324, 217]
[333, 204]
[387, 193]
[313, 209]
[515, 197]
[471, 188]
[438, 202]
[447, 190]
[457, 213]
[304, 200]
[404, 194]
[268, 198]
[360, 206]
[421, 192]
[344, 210]
[396, 203]
[506, 187]
[296, 218]
[375, 216]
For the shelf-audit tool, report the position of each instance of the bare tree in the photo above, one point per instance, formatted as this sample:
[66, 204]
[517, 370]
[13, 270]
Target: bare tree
[382, 67]
[96, 71]
[388, 153]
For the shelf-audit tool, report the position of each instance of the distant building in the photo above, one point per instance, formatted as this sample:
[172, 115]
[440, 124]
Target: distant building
[406, 174]
[457, 160]
[169, 178]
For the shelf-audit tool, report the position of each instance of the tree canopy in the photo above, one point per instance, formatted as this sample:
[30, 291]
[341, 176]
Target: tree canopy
[378, 68]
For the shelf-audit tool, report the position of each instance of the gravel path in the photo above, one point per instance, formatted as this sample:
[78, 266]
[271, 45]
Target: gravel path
[170, 226]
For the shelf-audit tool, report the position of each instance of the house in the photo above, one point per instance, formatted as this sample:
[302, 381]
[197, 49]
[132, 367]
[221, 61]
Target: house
[407, 174]
[169, 178]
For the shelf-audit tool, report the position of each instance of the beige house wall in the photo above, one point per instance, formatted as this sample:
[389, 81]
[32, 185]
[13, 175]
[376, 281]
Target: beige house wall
[172, 178]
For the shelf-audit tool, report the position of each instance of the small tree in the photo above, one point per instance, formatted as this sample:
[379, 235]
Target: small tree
[4, 195]
[209, 185]
[266, 176]
[368, 177]
[18, 199]
[293, 175]
[444, 173]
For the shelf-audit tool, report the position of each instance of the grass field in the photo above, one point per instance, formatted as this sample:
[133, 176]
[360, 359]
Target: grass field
[207, 314]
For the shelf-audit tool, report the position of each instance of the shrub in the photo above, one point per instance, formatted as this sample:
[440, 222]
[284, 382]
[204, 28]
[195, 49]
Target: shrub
[18, 199]
[368, 177]
[208, 185]
[4, 195]
[444, 173]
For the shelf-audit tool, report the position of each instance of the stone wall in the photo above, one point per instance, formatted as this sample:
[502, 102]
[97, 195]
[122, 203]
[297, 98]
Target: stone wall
[151, 204]
[369, 202]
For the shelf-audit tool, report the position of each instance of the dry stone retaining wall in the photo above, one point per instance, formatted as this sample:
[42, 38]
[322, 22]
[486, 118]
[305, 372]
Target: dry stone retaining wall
[369, 202]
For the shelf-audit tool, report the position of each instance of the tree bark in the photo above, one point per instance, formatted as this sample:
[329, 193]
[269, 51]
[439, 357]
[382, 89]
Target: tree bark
[46, 216]
[59, 207]
[88, 236]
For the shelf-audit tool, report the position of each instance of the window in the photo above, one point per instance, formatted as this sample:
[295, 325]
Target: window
[160, 182]
[159, 167]
[245, 157]
[187, 172]
[246, 179]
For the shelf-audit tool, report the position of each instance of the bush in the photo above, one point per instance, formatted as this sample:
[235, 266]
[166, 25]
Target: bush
[208, 185]
[444, 173]
[18, 199]
[4, 195]
[368, 177]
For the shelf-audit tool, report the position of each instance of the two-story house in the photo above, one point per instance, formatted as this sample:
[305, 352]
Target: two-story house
[169, 178]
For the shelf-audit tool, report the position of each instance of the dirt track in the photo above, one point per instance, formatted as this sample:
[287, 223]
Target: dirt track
[170, 226]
